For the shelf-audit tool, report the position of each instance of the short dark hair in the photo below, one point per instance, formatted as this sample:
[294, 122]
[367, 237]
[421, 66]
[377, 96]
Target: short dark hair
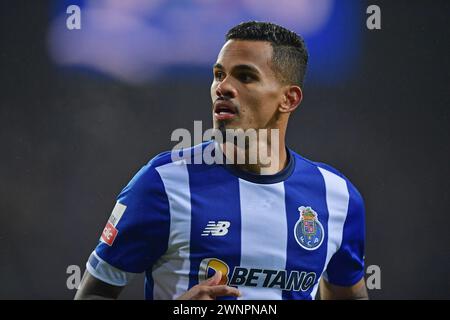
[290, 56]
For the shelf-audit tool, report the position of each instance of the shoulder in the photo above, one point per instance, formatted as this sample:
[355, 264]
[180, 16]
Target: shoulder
[150, 173]
[147, 178]
[334, 179]
[177, 156]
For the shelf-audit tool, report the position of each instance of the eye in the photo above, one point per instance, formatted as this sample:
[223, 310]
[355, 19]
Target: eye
[218, 75]
[246, 77]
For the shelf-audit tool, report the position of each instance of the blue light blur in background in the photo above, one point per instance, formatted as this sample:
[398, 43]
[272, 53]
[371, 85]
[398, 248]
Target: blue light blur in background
[137, 41]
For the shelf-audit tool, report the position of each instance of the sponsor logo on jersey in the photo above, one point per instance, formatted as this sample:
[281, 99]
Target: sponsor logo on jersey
[257, 277]
[110, 231]
[308, 230]
[209, 267]
[218, 229]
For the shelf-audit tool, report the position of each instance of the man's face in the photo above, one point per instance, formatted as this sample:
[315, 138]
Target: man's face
[245, 91]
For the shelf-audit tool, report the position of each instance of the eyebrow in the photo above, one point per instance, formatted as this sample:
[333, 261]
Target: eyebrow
[239, 67]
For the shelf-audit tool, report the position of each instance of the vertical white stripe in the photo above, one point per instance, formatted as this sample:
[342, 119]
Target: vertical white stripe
[263, 234]
[314, 290]
[337, 198]
[171, 272]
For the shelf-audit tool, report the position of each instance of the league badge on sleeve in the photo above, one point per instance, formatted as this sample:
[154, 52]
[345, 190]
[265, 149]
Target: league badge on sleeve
[308, 230]
[110, 232]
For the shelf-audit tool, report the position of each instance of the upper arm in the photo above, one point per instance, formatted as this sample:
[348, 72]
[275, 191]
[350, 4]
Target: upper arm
[138, 227]
[135, 236]
[93, 288]
[329, 291]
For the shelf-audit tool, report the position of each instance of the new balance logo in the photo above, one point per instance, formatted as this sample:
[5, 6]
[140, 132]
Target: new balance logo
[216, 229]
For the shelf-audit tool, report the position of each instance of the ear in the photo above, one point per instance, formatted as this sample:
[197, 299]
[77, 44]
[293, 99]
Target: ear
[292, 97]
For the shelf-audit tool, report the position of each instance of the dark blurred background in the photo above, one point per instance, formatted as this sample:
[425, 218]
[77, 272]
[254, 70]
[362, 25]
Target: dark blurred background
[82, 110]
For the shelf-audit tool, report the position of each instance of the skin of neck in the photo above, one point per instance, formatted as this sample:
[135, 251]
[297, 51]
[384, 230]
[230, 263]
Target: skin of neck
[277, 159]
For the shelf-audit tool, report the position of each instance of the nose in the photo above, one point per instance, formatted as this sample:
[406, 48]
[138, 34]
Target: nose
[225, 89]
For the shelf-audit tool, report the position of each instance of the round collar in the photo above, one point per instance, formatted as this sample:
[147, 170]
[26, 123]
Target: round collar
[263, 178]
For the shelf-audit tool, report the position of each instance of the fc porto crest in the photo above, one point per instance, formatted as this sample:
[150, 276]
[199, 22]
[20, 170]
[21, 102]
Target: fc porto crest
[308, 230]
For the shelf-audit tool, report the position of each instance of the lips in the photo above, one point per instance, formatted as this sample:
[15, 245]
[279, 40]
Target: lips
[224, 110]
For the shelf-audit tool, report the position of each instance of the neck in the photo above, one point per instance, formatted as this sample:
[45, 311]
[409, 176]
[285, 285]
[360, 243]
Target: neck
[266, 155]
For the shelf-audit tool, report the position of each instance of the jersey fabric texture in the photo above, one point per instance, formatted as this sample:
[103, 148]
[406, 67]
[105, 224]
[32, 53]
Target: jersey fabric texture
[272, 236]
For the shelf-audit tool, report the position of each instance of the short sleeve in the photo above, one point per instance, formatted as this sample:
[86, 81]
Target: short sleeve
[137, 232]
[346, 267]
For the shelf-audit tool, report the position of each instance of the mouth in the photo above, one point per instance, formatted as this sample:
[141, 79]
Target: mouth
[224, 110]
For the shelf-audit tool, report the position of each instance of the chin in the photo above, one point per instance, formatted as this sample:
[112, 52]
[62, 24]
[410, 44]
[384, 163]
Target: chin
[225, 124]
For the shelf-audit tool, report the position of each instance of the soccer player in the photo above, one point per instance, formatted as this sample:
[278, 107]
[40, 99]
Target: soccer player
[226, 231]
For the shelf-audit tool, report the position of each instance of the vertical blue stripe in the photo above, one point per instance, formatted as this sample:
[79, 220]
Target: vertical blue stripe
[149, 285]
[214, 198]
[305, 188]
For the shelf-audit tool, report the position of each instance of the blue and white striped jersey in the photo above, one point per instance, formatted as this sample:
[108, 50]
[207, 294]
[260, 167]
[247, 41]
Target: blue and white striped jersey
[273, 236]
